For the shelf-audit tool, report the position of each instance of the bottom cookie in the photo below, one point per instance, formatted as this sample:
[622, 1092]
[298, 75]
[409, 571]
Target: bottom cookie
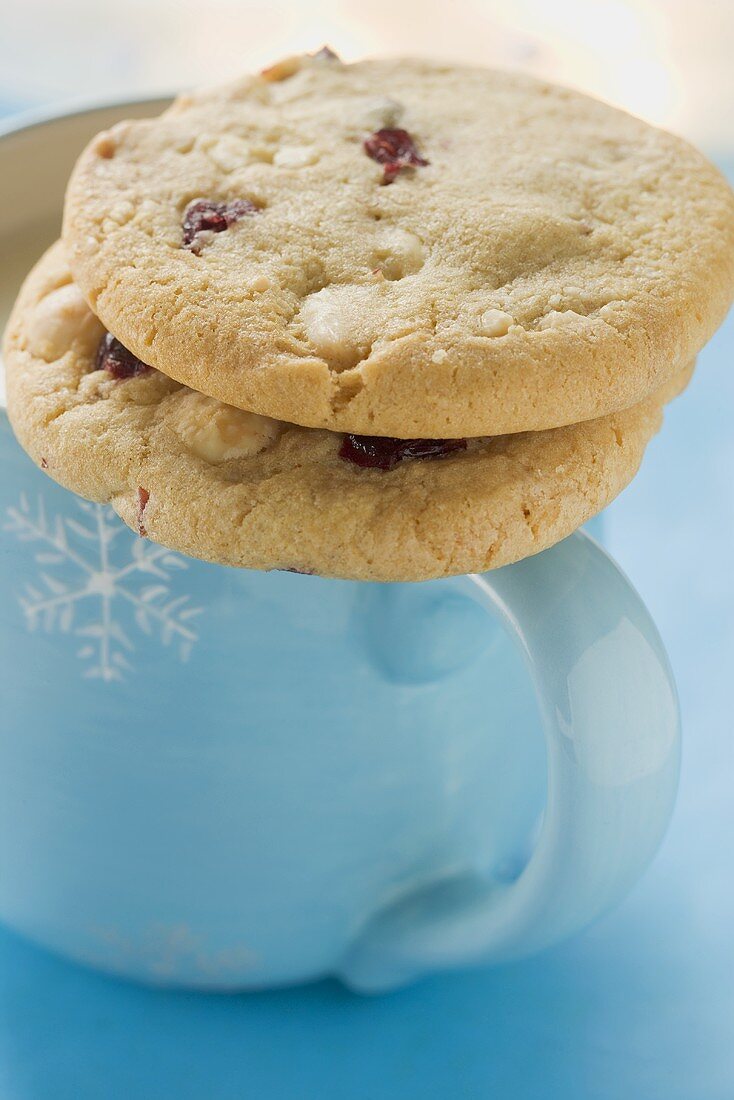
[232, 487]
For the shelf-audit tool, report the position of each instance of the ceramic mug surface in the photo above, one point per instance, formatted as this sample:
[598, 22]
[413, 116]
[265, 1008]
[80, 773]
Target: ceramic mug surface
[224, 779]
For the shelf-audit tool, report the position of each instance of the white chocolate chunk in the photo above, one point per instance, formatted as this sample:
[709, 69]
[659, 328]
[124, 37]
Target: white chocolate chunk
[495, 322]
[295, 156]
[439, 356]
[216, 432]
[121, 211]
[556, 319]
[59, 319]
[229, 152]
[326, 325]
[330, 320]
[381, 113]
[611, 310]
[398, 253]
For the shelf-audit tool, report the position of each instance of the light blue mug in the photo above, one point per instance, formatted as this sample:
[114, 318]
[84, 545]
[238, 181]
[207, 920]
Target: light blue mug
[223, 779]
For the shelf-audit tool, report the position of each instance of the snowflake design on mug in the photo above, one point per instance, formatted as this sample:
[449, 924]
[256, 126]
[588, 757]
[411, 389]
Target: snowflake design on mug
[98, 588]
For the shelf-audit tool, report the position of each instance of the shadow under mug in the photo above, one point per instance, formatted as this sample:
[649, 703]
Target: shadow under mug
[222, 779]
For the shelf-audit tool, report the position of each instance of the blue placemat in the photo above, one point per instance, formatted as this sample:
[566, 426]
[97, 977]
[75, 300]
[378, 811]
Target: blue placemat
[641, 1006]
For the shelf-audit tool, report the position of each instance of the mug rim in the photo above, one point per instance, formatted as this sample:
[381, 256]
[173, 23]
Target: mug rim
[31, 118]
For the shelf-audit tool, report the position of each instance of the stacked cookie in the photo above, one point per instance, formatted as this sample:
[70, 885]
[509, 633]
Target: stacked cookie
[390, 321]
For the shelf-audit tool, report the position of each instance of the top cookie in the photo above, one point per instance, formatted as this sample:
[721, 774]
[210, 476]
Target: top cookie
[403, 248]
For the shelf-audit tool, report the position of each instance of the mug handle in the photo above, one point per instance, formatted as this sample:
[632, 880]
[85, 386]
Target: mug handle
[612, 730]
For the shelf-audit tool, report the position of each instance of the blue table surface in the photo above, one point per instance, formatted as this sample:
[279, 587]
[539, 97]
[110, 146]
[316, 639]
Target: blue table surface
[640, 1006]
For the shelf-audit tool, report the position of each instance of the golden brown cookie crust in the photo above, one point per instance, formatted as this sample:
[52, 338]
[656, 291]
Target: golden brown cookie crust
[555, 261]
[173, 462]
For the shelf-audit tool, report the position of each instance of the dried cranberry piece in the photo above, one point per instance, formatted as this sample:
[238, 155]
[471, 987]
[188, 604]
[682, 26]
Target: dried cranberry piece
[207, 215]
[395, 150]
[114, 357]
[385, 453]
[143, 498]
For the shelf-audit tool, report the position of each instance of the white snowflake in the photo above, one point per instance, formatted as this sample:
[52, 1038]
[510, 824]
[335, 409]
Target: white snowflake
[95, 586]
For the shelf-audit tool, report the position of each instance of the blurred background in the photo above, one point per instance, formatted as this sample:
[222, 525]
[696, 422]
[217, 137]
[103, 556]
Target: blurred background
[667, 60]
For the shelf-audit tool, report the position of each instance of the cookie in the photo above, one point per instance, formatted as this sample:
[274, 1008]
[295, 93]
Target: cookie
[404, 248]
[230, 486]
